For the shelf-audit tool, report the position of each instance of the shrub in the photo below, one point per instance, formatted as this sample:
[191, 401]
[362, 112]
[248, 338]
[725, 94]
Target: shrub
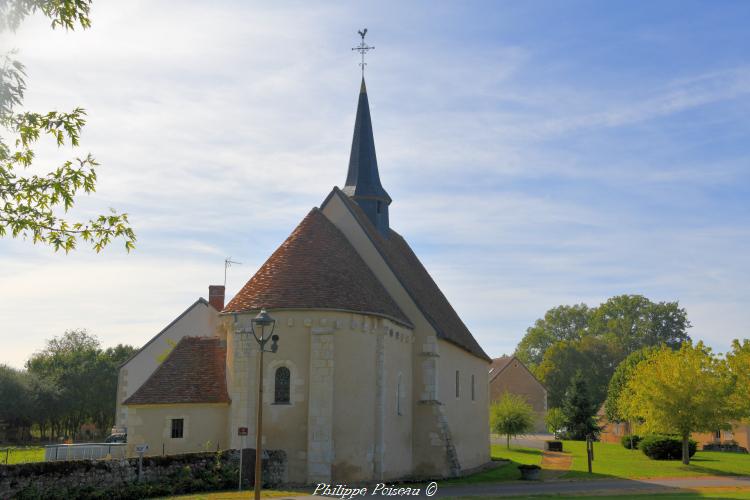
[512, 416]
[630, 441]
[659, 447]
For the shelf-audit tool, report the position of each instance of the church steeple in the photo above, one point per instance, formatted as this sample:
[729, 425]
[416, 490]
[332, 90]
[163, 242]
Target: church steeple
[363, 180]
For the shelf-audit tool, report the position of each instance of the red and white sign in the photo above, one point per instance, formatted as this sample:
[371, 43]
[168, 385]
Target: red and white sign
[242, 431]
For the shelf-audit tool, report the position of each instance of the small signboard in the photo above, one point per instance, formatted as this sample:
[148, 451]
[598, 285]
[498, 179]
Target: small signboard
[242, 431]
[141, 448]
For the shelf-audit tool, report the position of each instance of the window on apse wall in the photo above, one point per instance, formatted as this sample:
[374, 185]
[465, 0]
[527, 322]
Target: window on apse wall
[282, 385]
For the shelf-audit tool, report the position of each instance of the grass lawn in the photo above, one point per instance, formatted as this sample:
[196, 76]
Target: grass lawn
[21, 455]
[613, 460]
[507, 472]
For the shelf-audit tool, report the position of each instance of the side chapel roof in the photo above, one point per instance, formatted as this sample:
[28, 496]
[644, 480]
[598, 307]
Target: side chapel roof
[194, 372]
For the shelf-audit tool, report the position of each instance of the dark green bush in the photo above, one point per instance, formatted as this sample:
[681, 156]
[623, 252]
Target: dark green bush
[631, 440]
[658, 447]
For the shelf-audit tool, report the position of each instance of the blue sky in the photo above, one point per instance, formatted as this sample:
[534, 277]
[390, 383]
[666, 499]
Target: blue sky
[538, 153]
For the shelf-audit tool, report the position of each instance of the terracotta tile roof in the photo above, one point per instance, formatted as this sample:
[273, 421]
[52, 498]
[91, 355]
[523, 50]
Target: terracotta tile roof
[316, 268]
[417, 282]
[194, 372]
[498, 364]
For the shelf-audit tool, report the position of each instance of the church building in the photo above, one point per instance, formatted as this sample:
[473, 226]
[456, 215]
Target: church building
[376, 376]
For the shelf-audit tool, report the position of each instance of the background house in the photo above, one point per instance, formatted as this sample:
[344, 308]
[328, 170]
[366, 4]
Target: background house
[509, 374]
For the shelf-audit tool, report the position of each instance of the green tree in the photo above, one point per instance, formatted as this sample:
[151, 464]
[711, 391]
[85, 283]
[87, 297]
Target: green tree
[16, 406]
[108, 365]
[554, 420]
[635, 322]
[48, 405]
[598, 357]
[738, 363]
[680, 392]
[70, 362]
[511, 416]
[562, 323]
[84, 377]
[31, 204]
[622, 374]
[579, 409]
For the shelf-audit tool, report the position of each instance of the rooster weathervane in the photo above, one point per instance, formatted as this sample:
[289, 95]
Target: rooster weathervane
[362, 48]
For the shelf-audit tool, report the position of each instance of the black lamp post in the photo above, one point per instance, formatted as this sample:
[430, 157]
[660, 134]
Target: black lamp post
[262, 327]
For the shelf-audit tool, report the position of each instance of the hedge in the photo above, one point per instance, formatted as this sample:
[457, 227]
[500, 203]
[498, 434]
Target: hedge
[658, 447]
[630, 440]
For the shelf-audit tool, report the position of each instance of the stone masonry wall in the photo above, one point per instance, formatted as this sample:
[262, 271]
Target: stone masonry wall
[320, 417]
[115, 474]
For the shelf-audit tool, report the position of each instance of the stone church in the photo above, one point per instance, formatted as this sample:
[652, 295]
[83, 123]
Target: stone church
[376, 376]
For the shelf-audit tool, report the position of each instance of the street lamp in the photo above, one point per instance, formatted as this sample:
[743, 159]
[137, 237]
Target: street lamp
[261, 327]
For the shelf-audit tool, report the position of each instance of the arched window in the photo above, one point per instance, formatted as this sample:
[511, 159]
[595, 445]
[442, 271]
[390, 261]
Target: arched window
[281, 389]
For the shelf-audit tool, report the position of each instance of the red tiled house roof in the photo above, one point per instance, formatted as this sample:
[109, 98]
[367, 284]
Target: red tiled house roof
[499, 364]
[316, 268]
[417, 281]
[194, 372]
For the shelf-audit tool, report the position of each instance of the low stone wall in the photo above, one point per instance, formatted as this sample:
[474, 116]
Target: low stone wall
[119, 478]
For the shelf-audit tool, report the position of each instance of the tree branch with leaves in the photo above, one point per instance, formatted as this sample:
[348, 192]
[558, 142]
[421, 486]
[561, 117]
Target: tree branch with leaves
[37, 206]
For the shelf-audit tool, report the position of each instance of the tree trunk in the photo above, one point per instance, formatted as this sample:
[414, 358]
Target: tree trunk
[507, 441]
[686, 449]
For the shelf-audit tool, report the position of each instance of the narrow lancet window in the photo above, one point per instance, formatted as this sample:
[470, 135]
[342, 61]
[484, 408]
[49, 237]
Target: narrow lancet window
[281, 389]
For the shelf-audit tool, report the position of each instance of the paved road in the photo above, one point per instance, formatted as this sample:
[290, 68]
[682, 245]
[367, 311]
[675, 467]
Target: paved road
[603, 486]
[599, 485]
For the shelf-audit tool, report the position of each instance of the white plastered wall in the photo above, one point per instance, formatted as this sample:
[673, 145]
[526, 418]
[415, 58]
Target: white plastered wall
[429, 419]
[199, 320]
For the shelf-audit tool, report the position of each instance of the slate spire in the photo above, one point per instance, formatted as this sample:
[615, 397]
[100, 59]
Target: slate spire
[363, 180]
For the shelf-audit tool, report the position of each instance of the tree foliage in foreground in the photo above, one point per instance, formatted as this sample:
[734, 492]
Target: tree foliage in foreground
[511, 416]
[30, 204]
[680, 392]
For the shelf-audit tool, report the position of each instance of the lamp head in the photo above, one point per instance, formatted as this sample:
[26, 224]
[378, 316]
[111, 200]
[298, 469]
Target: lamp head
[263, 319]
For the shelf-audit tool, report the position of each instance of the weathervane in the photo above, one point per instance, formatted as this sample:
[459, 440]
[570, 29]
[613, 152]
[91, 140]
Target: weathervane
[362, 48]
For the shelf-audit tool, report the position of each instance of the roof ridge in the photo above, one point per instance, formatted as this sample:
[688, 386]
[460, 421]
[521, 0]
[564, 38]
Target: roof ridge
[385, 247]
[316, 267]
[200, 300]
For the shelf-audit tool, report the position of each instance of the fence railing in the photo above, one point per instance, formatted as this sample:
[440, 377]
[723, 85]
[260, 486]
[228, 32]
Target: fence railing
[84, 451]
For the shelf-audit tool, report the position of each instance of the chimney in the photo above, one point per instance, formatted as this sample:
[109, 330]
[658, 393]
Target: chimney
[216, 296]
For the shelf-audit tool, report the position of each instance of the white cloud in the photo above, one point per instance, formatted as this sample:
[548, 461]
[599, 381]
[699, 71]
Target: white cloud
[219, 126]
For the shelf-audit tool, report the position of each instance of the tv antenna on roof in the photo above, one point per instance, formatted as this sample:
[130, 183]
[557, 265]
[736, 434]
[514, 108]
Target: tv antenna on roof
[227, 264]
[363, 48]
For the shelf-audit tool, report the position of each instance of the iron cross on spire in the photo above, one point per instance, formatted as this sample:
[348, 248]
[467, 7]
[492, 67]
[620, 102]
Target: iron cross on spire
[362, 48]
